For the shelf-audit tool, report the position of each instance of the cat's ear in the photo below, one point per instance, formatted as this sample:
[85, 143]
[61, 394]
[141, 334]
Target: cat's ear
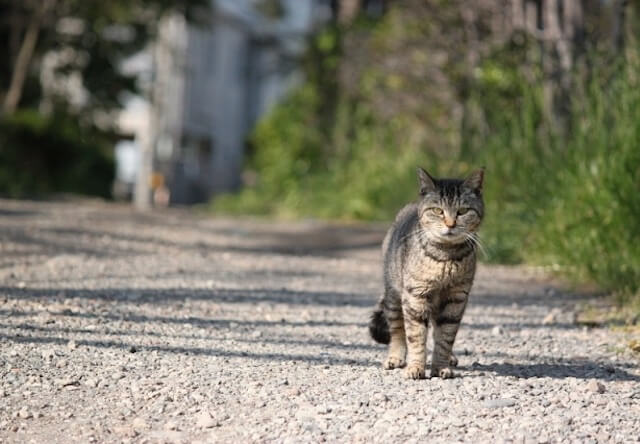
[474, 181]
[426, 182]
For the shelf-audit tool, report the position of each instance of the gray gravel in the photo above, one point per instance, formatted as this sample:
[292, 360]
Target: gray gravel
[170, 327]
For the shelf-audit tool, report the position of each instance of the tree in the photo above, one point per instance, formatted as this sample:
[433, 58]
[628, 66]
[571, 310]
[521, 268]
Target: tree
[64, 76]
[96, 38]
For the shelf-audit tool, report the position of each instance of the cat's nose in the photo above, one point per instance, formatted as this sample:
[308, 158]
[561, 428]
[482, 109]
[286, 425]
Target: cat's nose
[450, 223]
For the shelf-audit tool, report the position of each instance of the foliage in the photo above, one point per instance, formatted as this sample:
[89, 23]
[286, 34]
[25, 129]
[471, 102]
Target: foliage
[90, 39]
[563, 196]
[592, 222]
[71, 86]
[41, 155]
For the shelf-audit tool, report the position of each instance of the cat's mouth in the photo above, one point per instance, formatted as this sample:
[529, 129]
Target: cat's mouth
[451, 236]
[450, 232]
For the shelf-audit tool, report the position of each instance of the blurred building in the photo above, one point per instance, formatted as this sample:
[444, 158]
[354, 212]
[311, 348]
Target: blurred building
[209, 85]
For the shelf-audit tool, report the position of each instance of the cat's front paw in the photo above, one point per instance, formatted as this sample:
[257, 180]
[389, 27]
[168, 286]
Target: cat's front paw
[443, 373]
[393, 362]
[453, 361]
[414, 372]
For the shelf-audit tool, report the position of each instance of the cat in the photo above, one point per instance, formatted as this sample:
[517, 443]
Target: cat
[429, 258]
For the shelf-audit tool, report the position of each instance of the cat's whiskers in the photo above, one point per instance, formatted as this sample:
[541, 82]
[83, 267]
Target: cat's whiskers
[414, 233]
[475, 240]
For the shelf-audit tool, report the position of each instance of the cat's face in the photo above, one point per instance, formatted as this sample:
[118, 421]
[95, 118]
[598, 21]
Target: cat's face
[450, 210]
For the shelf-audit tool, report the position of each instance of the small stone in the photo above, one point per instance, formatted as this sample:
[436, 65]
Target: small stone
[72, 345]
[595, 386]
[256, 334]
[139, 423]
[205, 420]
[172, 436]
[379, 398]
[543, 439]
[305, 412]
[171, 425]
[126, 431]
[132, 349]
[24, 413]
[294, 392]
[91, 382]
[497, 330]
[549, 319]
[499, 403]
[66, 382]
[61, 363]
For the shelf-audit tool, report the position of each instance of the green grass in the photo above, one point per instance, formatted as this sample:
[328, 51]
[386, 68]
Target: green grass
[565, 199]
[591, 226]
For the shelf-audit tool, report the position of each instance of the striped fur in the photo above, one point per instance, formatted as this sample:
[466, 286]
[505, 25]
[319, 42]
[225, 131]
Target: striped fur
[429, 264]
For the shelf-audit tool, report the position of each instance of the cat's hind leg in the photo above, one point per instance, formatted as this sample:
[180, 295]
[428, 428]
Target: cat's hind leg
[397, 345]
[397, 351]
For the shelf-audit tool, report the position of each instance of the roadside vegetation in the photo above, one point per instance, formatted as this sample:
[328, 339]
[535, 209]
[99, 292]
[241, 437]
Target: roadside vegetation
[562, 149]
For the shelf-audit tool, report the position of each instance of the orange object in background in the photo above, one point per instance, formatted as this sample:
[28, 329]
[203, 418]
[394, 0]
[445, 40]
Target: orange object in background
[157, 180]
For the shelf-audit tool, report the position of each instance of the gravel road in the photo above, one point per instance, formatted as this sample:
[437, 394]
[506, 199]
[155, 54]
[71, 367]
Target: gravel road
[173, 327]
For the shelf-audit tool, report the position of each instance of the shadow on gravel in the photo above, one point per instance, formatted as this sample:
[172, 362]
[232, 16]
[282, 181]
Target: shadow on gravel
[576, 369]
[318, 241]
[198, 351]
[321, 240]
[200, 322]
[234, 296]
[511, 299]
[38, 243]
[6, 212]
[211, 337]
[518, 326]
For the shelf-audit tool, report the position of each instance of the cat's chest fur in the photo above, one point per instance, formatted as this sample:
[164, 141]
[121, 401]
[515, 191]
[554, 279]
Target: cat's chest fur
[423, 274]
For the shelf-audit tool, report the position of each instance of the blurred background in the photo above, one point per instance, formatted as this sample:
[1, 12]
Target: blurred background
[323, 108]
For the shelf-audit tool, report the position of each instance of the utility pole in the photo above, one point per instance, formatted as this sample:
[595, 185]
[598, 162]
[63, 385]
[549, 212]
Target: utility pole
[142, 190]
[142, 193]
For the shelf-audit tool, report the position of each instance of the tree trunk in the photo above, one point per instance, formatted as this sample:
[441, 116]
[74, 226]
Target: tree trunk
[15, 31]
[23, 60]
[348, 10]
[619, 19]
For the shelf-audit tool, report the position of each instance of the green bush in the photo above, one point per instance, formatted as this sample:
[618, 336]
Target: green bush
[43, 155]
[567, 199]
[592, 224]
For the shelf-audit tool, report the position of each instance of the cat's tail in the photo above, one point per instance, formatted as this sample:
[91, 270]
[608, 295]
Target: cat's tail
[379, 327]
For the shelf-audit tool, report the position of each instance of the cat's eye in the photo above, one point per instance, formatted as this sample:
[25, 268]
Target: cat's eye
[436, 210]
[462, 211]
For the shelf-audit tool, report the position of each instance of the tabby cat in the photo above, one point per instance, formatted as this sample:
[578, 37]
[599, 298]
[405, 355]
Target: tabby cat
[429, 263]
